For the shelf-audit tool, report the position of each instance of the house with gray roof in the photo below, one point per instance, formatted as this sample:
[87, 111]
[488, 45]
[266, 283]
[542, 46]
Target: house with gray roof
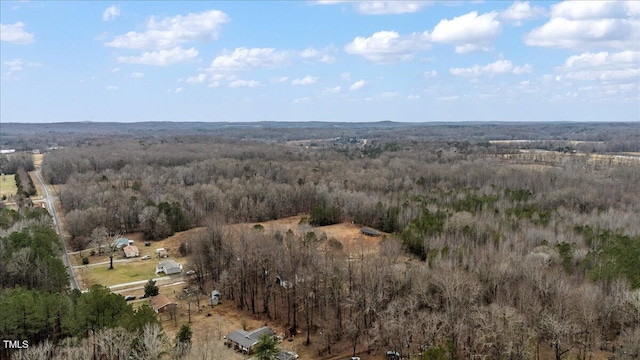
[369, 231]
[244, 341]
[169, 267]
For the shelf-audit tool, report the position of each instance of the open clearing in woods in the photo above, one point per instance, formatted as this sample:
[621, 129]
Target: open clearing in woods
[134, 269]
[209, 330]
[8, 185]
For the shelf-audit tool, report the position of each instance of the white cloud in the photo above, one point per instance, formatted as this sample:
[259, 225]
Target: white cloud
[18, 64]
[619, 67]
[346, 76]
[161, 57]
[389, 94]
[447, 98]
[389, 7]
[14, 65]
[178, 90]
[249, 59]
[333, 90]
[170, 32]
[494, 68]
[279, 79]
[197, 79]
[307, 80]
[431, 73]
[115, 69]
[245, 83]
[413, 97]
[587, 25]
[136, 75]
[387, 46]
[524, 69]
[470, 32]
[301, 100]
[14, 33]
[111, 13]
[322, 56]
[112, 87]
[520, 11]
[357, 85]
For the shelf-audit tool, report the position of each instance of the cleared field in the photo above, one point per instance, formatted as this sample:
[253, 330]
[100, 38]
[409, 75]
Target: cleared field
[347, 234]
[37, 160]
[134, 269]
[8, 185]
[122, 272]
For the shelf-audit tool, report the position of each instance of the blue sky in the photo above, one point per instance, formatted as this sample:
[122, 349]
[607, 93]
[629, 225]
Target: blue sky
[414, 61]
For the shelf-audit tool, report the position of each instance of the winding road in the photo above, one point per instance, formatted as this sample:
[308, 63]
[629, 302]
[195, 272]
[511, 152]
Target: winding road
[49, 201]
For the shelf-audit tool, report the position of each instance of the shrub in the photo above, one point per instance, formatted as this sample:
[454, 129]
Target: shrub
[85, 260]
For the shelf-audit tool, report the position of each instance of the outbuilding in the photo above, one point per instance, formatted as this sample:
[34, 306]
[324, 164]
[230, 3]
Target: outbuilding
[369, 231]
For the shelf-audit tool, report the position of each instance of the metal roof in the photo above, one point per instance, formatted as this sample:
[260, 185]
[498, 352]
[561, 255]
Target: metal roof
[249, 339]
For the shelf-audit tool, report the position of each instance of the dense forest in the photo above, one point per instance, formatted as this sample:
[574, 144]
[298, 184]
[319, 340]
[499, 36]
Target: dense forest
[492, 249]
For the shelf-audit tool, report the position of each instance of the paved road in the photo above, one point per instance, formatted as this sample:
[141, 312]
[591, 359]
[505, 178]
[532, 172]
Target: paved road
[52, 210]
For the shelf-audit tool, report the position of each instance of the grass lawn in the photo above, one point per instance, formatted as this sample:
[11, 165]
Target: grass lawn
[125, 272]
[8, 185]
[122, 272]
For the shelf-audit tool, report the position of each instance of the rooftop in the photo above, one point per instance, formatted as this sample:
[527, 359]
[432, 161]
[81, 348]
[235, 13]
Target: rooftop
[249, 339]
[168, 264]
[160, 301]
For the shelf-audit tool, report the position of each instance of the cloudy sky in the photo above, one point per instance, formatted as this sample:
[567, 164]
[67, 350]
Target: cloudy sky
[412, 61]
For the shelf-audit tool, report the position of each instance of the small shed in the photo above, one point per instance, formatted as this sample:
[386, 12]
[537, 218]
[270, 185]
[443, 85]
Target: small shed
[215, 298]
[162, 253]
[161, 303]
[369, 231]
[131, 251]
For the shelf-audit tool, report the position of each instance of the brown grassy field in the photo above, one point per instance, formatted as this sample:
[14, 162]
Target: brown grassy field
[37, 160]
[347, 234]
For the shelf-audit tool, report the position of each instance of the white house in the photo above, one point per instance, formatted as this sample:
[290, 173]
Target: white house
[168, 267]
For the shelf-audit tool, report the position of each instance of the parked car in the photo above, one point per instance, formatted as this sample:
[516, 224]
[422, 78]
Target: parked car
[355, 358]
[146, 257]
[393, 355]
[191, 272]
[130, 297]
